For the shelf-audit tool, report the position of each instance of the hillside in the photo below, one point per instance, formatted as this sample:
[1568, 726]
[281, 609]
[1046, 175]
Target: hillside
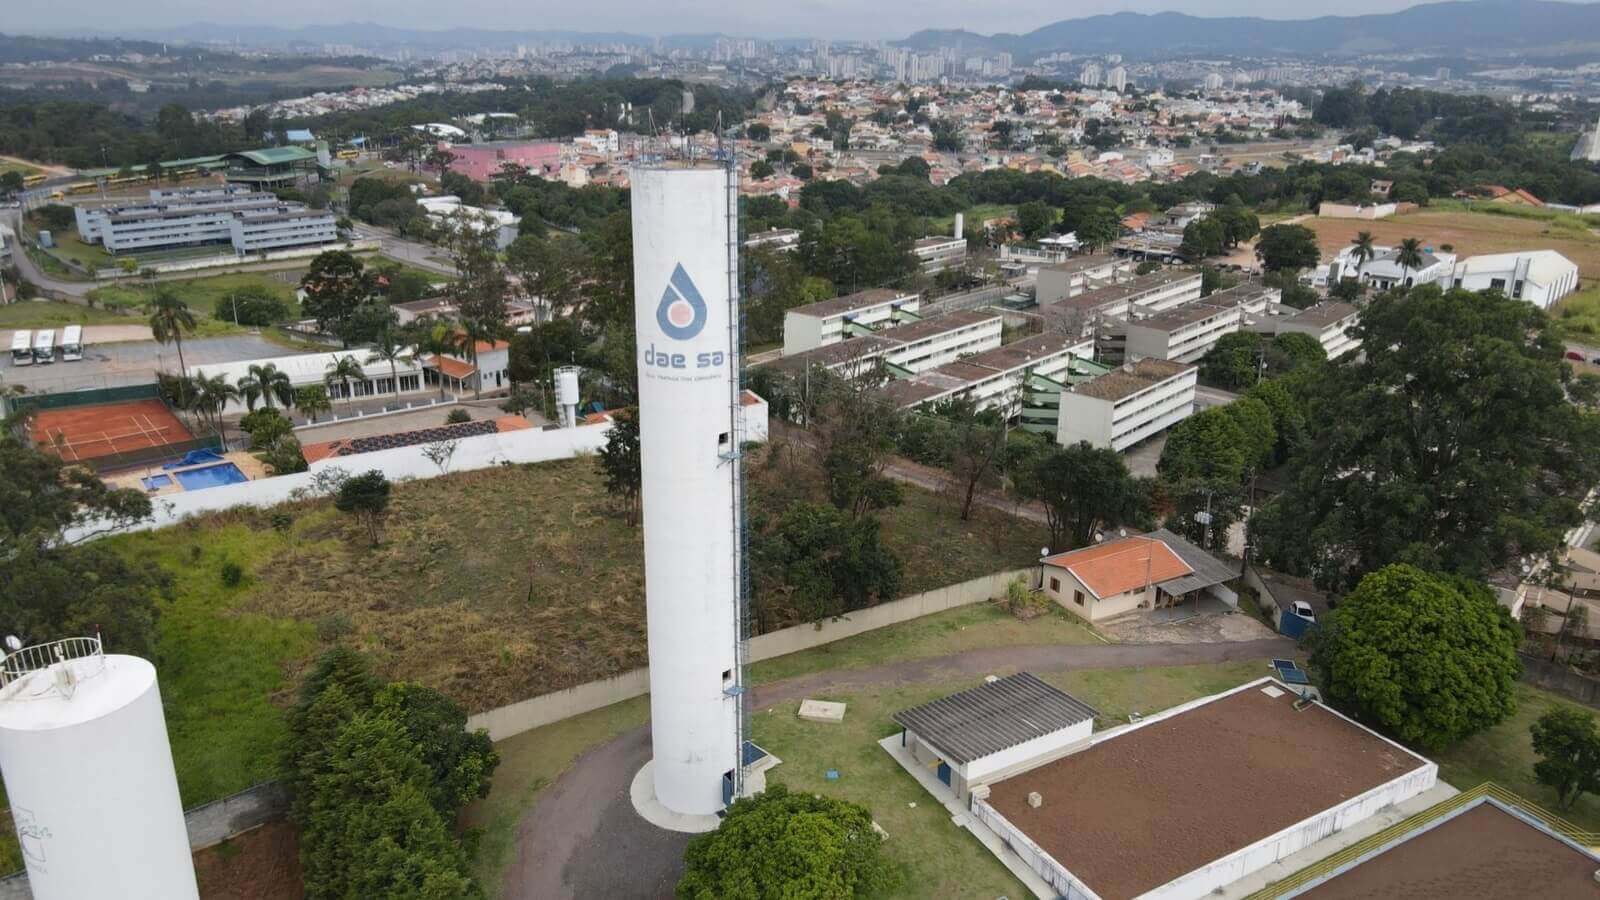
[1502, 25]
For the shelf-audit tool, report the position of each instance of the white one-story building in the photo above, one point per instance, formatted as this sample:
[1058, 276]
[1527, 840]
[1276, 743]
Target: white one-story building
[980, 735]
[1540, 277]
[306, 369]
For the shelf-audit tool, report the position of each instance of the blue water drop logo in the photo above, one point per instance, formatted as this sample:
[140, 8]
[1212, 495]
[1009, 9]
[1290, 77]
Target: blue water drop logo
[682, 313]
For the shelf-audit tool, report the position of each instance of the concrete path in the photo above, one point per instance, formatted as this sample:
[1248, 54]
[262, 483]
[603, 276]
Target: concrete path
[583, 839]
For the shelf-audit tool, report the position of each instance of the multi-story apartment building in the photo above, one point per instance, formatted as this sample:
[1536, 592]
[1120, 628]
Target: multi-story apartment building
[1186, 333]
[830, 321]
[905, 349]
[1147, 294]
[280, 229]
[935, 254]
[1071, 277]
[997, 377]
[1127, 405]
[248, 220]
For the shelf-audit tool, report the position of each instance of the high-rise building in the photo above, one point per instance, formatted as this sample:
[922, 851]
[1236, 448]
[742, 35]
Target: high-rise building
[1090, 76]
[1117, 78]
[1213, 82]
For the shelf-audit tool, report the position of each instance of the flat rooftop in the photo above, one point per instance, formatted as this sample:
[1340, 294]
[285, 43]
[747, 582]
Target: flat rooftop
[1179, 316]
[850, 302]
[1127, 291]
[1482, 852]
[1119, 384]
[1323, 314]
[1086, 263]
[1159, 800]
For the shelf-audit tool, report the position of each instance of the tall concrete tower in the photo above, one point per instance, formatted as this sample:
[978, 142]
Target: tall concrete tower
[685, 266]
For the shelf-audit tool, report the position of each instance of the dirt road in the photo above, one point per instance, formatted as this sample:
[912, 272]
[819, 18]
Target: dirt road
[583, 839]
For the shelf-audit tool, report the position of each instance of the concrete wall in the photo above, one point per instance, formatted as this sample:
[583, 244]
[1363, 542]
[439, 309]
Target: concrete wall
[1351, 211]
[112, 273]
[544, 709]
[1553, 676]
[208, 825]
[479, 452]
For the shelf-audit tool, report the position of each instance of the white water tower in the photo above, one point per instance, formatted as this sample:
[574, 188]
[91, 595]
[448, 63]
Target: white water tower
[88, 772]
[685, 264]
[567, 395]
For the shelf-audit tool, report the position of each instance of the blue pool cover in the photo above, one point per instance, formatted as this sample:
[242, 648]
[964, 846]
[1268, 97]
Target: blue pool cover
[194, 458]
[210, 476]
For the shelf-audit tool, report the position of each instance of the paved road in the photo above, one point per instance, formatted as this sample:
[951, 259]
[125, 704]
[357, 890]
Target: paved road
[583, 839]
[408, 251]
[1210, 396]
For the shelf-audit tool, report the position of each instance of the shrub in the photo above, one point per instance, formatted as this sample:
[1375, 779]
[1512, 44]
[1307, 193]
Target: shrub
[333, 626]
[232, 574]
[252, 305]
[457, 416]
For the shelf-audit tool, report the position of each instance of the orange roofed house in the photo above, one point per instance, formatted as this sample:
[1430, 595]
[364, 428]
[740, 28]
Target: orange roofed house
[1155, 571]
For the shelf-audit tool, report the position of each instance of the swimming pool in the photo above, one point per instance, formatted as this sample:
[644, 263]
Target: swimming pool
[156, 482]
[210, 476]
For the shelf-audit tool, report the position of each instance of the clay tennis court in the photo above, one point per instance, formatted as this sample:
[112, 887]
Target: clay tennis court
[91, 433]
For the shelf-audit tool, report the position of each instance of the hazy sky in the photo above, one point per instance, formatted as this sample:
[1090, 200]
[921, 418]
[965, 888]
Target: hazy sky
[767, 18]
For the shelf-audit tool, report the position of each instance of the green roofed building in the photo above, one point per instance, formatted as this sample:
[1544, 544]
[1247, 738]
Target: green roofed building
[273, 167]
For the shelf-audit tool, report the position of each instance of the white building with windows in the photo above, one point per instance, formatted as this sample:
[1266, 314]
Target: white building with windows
[905, 349]
[1071, 277]
[1540, 277]
[1330, 322]
[307, 369]
[935, 254]
[830, 321]
[1186, 333]
[1127, 405]
[998, 377]
[251, 221]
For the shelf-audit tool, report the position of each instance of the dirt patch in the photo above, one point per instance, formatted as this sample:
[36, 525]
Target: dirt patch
[1469, 233]
[261, 864]
[1211, 628]
[1132, 813]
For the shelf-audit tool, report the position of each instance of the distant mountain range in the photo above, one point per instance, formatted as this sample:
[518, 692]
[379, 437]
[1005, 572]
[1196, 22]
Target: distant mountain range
[1477, 26]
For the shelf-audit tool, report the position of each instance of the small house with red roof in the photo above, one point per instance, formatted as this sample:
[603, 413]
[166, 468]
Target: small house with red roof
[1155, 571]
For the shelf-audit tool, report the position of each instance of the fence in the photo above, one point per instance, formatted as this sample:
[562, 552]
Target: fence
[1553, 676]
[480, 452]
[121, 394]
[526, 715]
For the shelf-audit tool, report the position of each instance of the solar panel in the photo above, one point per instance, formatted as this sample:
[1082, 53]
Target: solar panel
[1289, 672]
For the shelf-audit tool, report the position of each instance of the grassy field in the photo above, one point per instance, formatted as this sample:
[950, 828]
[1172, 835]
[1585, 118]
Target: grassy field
[1579, 313]
[54, 314]
[1504, 754]
[201, 294]
[492, 586]
[10, 165]
[976, 215]
[1475, 231]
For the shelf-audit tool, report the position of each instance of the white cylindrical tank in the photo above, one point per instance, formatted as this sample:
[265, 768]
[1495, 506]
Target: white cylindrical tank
[90, 779]
[682, 227]
[567, 395]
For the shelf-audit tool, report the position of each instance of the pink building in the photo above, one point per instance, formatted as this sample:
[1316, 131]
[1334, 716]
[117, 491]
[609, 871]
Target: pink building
[481, 162]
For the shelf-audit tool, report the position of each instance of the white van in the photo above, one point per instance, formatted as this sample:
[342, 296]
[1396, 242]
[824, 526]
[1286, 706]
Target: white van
[44, 346]
[72, 343]
[22, 347]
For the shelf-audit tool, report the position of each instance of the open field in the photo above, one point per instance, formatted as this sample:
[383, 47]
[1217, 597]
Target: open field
[1472, 232]
[1579, 312]
[54, 314]
[492, 586]
[10, 165]
[976, 215]
[1504, 754]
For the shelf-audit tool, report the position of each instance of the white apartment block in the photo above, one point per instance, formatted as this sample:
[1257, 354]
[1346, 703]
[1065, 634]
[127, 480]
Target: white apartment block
[1127, 405]
[911, 348]
[935, 254]
[188, 217]
[830, 321]
[1071, 277]
[1330, 322]
[995, 377]
[1144, 295]
[1540, 277]
[1183, 334]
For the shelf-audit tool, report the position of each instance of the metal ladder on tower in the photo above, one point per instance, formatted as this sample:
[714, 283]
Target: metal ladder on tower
[738, 691]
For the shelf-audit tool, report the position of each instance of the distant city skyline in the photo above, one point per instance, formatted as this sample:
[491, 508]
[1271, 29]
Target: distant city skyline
[822, 19]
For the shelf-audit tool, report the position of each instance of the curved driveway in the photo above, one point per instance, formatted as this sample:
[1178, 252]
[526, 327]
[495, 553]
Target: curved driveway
[582, 838]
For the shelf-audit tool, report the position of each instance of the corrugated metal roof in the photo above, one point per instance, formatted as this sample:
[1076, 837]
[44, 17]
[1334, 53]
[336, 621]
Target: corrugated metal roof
[993, 717]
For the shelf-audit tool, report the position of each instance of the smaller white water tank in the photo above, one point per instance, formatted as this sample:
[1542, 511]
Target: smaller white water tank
[567, 386]
[89, 775]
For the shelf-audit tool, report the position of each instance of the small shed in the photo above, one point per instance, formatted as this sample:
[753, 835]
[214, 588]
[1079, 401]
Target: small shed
[997, 729]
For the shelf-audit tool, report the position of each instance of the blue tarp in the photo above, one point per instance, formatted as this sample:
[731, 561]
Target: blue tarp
[299, 135]
[1293, 626]
[195, 458]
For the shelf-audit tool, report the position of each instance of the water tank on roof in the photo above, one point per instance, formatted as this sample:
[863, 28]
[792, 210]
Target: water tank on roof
[89, 775]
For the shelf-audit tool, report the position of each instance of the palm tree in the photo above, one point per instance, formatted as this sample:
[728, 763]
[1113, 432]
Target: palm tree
[1408, 257]
[344, 369]
[169, 319]
[212, 395]
[266, 382]
[467, 340]
[435, 339]
[391, 348]
[1364, 250]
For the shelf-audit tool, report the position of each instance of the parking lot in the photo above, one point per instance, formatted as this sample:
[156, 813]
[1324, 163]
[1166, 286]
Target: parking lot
[132, 362]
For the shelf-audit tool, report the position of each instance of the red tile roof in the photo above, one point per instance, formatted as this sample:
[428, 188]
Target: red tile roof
[451, 366]
[1119, 566]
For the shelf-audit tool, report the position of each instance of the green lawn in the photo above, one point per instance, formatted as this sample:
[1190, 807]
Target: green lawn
[223, 670]
[1578, 313]
[201, 294]
[1504, 754]
[54, 314]
[7, 165]
[72, 248]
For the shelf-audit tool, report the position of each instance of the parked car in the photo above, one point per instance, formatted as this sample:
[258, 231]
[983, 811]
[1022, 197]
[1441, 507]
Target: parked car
[1575, 355]
[1303, 610]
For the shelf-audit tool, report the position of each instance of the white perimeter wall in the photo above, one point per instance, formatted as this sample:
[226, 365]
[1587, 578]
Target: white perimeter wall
[1208, 878]
[479, 452]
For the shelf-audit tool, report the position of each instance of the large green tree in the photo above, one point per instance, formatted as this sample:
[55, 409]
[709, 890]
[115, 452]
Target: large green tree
[1083, 489]
[780, 845]
[1283, 247]
[1449, 444]
[620, 461]
[335, 286]
[816, 561]
[1428, 658]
